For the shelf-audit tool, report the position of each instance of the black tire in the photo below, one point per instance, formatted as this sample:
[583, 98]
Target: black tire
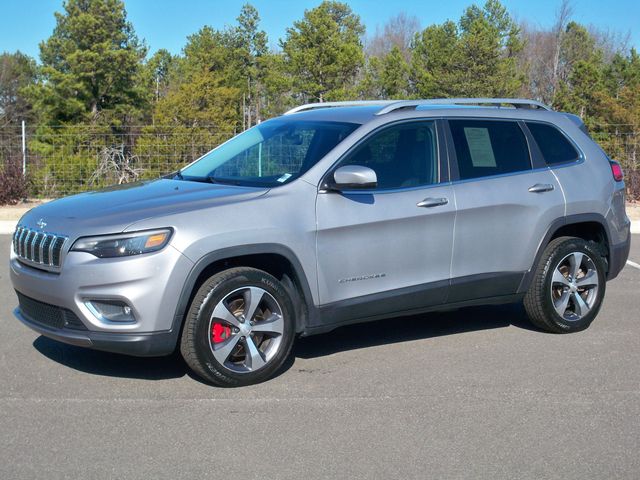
[196, 346]
[538, 301]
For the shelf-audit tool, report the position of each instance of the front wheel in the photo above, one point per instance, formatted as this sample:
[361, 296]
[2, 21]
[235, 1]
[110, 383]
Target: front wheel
[239, 329]
[568, 287]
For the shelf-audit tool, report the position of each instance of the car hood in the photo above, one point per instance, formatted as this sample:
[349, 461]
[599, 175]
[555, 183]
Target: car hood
[113, 209]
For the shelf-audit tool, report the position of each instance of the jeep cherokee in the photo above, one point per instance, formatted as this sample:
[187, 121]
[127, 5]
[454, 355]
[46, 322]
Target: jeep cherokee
[333, 213]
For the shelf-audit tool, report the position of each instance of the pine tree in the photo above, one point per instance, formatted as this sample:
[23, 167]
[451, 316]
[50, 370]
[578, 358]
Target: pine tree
[17, 72]
[475, 58]
[387, 77]
[324, 52]
[90, 65]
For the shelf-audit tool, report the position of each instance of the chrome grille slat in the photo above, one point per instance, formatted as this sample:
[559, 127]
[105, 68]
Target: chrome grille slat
[27, 244]
[19, 237]
[57, 249]
[32, 246]
[46, 244]
[51, 247]
[21, 241]
[39, 248]
[16, 239]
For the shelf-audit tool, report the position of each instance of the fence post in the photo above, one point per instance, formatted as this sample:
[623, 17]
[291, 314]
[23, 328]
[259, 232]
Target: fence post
[24, 151]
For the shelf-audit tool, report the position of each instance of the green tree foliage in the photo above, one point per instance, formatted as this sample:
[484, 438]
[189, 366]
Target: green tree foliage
[475, 58]
[605, 94]
[278, 86]
[490, 42]
[157, 74]
[433, 67]
[221, 84]
[581, 87]
[202, 102]
[91, 86]
[221, 75]
[90, 65]
[17, 72]
[251, 50]
[207, 91]
[323, 52]
[387, 76]
[620, 111]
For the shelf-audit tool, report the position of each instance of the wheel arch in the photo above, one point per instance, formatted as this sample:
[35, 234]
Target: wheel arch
[274, 259]
[588, 226]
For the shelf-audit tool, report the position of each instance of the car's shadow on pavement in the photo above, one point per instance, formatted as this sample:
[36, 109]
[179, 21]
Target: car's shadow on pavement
[352, 337]
[111, 364]
[416, 327]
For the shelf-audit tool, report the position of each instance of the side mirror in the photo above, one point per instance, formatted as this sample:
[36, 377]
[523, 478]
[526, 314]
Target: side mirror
[354, 177]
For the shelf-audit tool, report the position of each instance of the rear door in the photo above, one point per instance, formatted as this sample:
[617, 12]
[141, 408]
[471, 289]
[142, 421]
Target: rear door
[387, 242]
[504, 207]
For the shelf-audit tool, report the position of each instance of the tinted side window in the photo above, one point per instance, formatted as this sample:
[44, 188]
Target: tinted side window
[485, 147]
[554, 145]
[402, 156]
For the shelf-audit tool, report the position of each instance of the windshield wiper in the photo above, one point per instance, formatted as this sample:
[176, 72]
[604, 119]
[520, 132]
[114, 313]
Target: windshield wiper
[207, 179]
[222, 181]
[179, 176]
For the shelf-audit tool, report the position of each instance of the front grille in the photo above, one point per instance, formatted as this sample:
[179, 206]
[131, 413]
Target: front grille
[48, 315]
[38, 248]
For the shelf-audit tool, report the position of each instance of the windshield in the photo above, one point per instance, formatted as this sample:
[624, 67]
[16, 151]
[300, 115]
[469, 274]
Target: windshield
[269, 154]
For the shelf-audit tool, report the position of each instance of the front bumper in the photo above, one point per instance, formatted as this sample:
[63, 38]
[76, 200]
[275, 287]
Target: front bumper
[136, 344]
[150, 284]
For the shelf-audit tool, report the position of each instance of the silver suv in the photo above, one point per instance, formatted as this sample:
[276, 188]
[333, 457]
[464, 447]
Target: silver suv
[332, 214]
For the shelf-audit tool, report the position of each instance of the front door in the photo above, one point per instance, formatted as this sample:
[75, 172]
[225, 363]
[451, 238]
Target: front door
[391, 243]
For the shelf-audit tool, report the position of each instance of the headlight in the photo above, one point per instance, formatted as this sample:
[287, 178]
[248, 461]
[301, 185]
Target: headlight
[123, 244]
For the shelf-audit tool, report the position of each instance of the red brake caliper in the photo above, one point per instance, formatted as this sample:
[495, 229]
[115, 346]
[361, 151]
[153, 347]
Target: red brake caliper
[220, 332]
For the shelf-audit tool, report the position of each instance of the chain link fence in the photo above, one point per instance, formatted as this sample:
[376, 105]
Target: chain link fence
[64, 160]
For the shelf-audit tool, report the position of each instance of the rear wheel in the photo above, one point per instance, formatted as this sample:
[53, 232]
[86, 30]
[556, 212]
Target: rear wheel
[568, 287]
[239, 329]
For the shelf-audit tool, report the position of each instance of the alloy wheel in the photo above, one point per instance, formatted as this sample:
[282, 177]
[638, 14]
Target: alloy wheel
[245, 329]
[574, 286]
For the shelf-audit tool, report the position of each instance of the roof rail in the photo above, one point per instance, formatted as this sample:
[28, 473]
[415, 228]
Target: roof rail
[354, 103]
[495, 102]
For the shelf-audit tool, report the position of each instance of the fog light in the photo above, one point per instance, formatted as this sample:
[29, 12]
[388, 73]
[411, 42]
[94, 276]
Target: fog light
[111, 311]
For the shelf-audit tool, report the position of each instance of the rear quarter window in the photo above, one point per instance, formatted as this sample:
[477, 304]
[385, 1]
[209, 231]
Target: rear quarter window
[489, 147]
[555, 147]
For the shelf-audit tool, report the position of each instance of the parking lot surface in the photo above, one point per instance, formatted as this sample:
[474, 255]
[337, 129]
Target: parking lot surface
[475, 393]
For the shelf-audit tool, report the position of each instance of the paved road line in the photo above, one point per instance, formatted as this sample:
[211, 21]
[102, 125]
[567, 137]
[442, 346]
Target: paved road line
[633, 264]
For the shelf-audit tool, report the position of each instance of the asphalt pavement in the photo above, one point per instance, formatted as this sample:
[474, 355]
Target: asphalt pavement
[475, 393]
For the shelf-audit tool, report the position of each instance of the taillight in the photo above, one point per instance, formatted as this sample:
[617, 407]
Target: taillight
[616, 170]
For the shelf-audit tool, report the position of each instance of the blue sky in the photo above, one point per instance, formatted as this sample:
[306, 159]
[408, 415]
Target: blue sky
[167, 23]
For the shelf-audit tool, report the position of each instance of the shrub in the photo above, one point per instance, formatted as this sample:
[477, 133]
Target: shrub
[13, 186]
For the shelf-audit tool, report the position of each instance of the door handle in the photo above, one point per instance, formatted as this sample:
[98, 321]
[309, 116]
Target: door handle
[432, 202]
[541, 187]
